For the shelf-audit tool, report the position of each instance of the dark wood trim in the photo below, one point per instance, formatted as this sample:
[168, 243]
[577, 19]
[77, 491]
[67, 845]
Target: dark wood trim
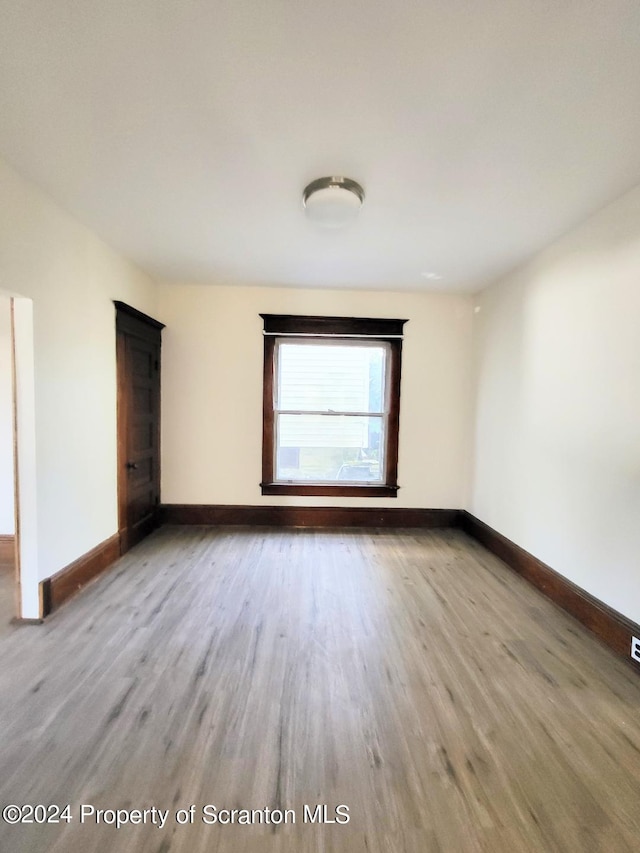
[131, 322]
[129, 538]
[341, 326]
[297, 324]
[7, 552]
[268, 448]
[393, 418]
[130, 319]
[338, 490]
[55, 590]
[614, 629]
[307, 516]
[122, 417]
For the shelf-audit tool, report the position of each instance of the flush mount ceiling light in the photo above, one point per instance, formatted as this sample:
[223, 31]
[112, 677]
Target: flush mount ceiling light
[332, 202]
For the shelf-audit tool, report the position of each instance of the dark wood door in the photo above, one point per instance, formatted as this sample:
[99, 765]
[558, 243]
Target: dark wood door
[138, 361]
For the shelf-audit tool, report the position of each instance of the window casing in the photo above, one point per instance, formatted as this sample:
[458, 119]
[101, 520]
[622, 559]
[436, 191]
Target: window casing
[331, 405]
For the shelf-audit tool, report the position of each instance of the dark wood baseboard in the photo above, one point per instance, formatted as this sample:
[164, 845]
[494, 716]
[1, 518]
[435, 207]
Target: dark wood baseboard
[7, 553]
[307, 516]
[611, 627]
[130, 536]
[55, 590]
[614, 629]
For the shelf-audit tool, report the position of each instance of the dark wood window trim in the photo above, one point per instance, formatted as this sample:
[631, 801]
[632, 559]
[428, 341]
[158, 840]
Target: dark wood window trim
[346, 328]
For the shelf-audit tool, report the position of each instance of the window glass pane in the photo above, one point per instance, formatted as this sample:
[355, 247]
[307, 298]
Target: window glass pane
[330, 377]
[329, 447]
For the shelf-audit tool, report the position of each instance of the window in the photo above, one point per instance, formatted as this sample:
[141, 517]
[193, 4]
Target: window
[331, 405]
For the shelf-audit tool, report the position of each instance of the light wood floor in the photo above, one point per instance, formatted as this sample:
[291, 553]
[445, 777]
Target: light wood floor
[7, 599]
[408, 675]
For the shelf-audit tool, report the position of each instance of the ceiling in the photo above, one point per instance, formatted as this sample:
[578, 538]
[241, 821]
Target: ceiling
[184, 131]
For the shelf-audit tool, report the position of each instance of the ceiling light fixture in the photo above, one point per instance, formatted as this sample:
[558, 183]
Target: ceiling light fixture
[332, 202]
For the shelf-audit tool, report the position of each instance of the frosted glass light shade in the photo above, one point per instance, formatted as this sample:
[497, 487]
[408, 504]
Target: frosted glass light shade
[333, 202]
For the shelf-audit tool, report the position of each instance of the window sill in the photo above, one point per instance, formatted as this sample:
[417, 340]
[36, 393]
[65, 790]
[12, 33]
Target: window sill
[349, 490]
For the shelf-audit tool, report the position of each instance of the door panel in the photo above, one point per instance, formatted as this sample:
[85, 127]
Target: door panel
[138, 354]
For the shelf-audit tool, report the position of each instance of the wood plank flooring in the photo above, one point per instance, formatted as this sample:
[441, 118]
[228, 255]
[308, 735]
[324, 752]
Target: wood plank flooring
[408, 675]
[7, 599]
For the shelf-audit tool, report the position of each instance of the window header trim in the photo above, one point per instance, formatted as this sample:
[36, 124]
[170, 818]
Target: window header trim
[330, 327]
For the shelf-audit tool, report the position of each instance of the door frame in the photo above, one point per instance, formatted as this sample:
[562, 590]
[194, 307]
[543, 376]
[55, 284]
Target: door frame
[133, 323]
[29, 604]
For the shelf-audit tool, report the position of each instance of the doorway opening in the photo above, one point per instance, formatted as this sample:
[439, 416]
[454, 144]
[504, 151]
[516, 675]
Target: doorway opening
[19, 594]
[8, 585]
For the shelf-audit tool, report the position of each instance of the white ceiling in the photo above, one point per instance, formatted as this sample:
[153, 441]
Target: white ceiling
[184, 131]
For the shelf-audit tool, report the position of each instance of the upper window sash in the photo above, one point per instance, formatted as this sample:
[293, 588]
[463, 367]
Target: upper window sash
[335, 404]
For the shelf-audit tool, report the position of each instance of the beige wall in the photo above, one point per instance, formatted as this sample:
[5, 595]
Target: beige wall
[557, 443]
[212, 391]
[72, 278]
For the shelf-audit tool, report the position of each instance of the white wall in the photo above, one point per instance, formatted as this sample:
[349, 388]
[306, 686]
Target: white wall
[212, 391]
[7, 520]
[72, 278]
[557, 444]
